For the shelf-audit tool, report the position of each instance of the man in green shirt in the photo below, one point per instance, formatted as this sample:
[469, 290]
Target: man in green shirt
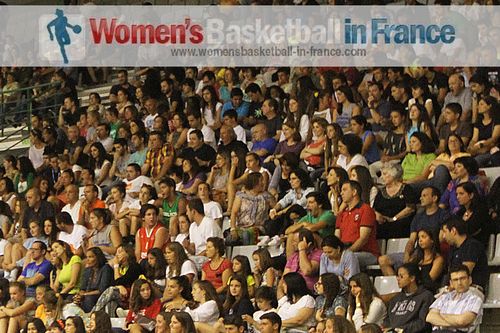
[319, 218]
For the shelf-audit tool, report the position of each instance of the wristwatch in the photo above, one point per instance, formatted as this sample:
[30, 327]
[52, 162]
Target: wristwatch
[394, 219]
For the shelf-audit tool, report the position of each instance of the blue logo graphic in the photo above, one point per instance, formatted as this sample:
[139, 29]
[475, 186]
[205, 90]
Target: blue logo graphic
[60, 23]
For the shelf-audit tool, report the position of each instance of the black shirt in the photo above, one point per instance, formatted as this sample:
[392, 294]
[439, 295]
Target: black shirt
[471, 250]
[46, 211]
[204, 153]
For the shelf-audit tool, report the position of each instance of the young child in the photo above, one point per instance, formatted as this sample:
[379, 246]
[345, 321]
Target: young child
[265, 301]
[183, 229]
[40, 311]
[264, 273]
[241, 267]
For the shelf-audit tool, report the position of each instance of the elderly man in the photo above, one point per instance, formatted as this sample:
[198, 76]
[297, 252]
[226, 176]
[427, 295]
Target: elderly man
[458, 94]
[262, 144]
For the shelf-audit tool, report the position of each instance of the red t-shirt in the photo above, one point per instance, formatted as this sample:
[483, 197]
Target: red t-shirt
[350, 221]
[215, 276]
[151, 312]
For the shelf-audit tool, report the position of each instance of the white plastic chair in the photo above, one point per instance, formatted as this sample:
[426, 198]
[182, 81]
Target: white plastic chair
[496, 257]
[493, 299]
[386, 285]
[396, 245]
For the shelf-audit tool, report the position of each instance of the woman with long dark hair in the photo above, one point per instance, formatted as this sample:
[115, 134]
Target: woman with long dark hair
[237, 300]
[74, 324]
[346, 107]
[192, 176]
[474, 211]
[155, 267]
[360, 127]
[297, 119]
[420, 156]
[329, 302]
[335, 177]
[24, 179]
[296, 308]
[177, 294]
[99, 322]
[100, 162]
[211, 107]
[144, 302]
[178, 263]
[486, 130]
[419, 122]
[96, 278]
[178, 134]
[181, 322]
[365, 306]
[68, 276]
[207, 307]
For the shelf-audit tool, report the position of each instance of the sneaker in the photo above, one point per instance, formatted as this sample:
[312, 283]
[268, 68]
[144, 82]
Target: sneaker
[121, 313]
[275, 241]
[264, 241]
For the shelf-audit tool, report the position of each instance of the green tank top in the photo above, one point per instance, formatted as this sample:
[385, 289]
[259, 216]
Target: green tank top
[169, 211]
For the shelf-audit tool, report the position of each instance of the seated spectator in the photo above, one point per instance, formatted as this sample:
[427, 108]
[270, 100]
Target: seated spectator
[72, 234]
[337, 259]
[486, 131]
[230, 118]
[241, 267]
[291, 141]
[217, 269]
[466, 170]
[36, 273]
[356, 225]
[121, 159]
[474, 211]
[250, 209]
[144, 303]
[177, 293]
[74, 204]
[264, 273]
[202, 228]
[208, 306]
[134, 181]
[359, 126]
[236, 103]
[407, 311]
[350, 147]
[96, 278]
[105, 236]
[303, 257]
[237, 302]
[335, 177]
[90, 202]
[453, 125]
[155, 268]
[68, 279]
[178, 135]
[429, 218]
[178, 263]
[99, 323]
[199, 150]
[312, 154]
[266, 302]
[296, 306]
[126, 270]
[37, 210]
[466, 250]
[159, 157]
[18, 310]
[300, 187]
[361, 174]
[460, 309]
[394, 146]
[329, 302]
[118, 207]
[420, 156]
[192, 176]
[212, 209]
[346, 107]
[25, 177]
[422, 96]
[151, 235]
[333, 135]
[263, 145]
[394, 204]
[270, 323]
[172, 204]
[181, 322]
[218, 178]
[100, 163]
[272, 119]
[365, 306]
[319, 218]
[211, 107]
[419, 122]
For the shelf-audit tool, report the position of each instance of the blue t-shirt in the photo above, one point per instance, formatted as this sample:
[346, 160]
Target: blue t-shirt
[242, 110]
[268, 144]
[429, 222]
[31, 269]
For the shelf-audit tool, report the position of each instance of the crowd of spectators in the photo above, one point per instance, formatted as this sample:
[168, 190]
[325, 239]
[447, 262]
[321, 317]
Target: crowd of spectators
[125, 206]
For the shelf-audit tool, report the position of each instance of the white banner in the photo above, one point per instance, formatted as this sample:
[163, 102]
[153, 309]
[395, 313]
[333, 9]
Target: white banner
[250, 36]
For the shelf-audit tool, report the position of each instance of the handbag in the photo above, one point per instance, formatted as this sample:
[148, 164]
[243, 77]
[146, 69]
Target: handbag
[146, 323]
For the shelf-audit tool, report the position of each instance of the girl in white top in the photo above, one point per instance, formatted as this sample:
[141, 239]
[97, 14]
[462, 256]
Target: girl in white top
[296, 308]
[211, 107]
[183, 229]
[208, 308]
[365, 307]
[350, 152]
[298, 117]
[179, 263]
[212, 209]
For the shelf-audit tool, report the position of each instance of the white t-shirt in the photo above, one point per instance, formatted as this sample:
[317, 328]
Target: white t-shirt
[149, 121]
[207, 114]
[75, 239]
[213, 210]
[188, 267]
[241, 135]
[357, 159]
[36, 156]
[198, 234]
[134, 185]
[73, 211]
[205, 313]
[256, 317]
[287, 310]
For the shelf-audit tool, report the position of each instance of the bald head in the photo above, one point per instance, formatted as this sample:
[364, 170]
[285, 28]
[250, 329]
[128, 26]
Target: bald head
[227, 134]
[33, 197]
[456, 83]
[259, 132]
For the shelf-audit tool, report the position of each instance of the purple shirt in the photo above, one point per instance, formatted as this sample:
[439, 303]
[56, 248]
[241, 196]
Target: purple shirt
[293, 265]
[268, 144]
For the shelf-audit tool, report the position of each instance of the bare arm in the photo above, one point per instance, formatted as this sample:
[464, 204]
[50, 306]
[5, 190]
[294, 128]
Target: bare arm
[364, 234]
[75, 274]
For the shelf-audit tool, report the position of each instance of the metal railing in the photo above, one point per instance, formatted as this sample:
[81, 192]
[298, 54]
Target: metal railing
[18, 112]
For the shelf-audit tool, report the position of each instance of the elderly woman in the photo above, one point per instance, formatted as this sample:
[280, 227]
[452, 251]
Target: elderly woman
[394, 204]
